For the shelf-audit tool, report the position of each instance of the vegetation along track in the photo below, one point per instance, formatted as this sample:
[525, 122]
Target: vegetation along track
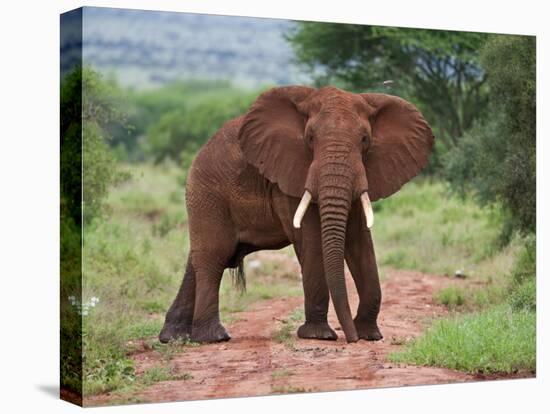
[266, 357]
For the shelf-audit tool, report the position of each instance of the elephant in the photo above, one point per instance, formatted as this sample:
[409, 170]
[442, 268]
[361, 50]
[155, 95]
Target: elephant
[301, 167]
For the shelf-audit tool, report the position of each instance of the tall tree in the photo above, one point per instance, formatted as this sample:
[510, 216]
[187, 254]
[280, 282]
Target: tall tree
[496, 159]
[437, 70]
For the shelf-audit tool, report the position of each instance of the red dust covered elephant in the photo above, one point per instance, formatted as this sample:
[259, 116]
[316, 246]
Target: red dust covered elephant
[301, 167]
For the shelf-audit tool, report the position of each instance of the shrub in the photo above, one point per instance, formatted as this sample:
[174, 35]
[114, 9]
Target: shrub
[526, 265]
[145, 108]
[88, 109]
[71, 322]
[100, 112]
[88, 169]
[496, 159]
[184, 130]
[523, 294]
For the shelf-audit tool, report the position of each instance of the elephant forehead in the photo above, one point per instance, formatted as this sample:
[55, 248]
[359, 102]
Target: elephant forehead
[320, 97]
[337, 120]
[334, 97]
[334, 100]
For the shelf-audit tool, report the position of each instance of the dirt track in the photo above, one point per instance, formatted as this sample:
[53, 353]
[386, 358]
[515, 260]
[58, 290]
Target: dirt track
[253, 364]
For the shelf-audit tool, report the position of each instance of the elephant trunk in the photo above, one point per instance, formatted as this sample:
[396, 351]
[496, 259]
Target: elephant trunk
[335, 196]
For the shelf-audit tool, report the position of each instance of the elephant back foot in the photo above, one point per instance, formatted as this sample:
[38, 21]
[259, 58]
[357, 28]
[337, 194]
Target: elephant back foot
[208, 333]
[174, 332]
[317, 330]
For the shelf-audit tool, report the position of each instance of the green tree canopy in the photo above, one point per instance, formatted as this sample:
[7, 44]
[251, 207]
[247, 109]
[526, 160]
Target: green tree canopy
[186, 128]
[497, 157]
[90, 108]
[437, 70]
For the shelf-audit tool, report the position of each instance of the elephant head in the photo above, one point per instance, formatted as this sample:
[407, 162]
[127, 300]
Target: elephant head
[333, 147]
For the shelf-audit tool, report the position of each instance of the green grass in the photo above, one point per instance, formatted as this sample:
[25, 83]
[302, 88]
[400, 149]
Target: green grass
[126, 392]
[497, 340]
[451, 296]
[472, 298]
[524, 284]
[499, 333]
[524, 296]
[286, 334]
[160, 373]
[423, 227]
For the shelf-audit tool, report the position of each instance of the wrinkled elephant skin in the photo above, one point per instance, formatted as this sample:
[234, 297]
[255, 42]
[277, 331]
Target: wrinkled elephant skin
[301, 167]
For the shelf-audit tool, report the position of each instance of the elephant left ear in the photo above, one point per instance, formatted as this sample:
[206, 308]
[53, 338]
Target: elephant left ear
[400, 145]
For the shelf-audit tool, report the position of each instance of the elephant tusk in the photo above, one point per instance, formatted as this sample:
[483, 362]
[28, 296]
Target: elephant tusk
[301, 210]
[367, 209]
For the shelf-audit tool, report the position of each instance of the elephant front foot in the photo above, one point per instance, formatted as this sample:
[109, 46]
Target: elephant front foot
[368, 330]
[174, 332]
[317, 330]
[210, 332]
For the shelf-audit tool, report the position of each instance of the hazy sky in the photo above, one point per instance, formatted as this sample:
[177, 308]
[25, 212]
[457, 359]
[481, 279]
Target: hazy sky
[144, 48]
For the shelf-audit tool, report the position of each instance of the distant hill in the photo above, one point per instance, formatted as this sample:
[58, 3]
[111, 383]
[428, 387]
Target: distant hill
[147, 48]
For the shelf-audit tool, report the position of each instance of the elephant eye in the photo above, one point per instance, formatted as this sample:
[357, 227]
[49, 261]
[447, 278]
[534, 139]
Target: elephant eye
[365, 140]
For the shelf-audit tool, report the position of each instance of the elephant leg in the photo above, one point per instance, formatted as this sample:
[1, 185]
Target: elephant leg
[361, 261]
[179, 318]
[212, 244]
[316, 294]
[209, 267]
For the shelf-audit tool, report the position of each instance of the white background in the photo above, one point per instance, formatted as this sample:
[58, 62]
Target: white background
[29, 174]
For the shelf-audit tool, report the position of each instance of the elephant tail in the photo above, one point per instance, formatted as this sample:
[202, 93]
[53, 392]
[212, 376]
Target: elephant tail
[238, 276]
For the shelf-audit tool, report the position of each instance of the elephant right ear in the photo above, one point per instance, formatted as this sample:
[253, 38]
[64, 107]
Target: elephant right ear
[271, 138]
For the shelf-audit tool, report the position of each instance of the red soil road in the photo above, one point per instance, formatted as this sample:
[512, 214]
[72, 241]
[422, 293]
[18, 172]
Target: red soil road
[253, 364]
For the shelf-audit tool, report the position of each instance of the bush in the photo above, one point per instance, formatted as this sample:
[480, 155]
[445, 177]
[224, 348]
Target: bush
[71, 230]
[100, 171]
[89, 108]
[88, 169]
[145, 108]
[185, 130]
[100, 112]
[71, 321]
[523, 292]
[524, 296]
[496, 159]
[526, 266]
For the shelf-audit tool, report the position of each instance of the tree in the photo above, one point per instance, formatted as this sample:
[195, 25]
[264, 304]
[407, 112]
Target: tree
[184, 130]
[101, 103]
[88, 107]
[437, 70]
[496, 159]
